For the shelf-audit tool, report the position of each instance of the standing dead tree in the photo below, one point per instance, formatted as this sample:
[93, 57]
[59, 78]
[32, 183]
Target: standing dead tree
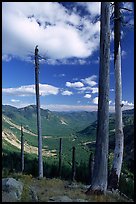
[119, 136]
[22, 150]
[99, 180]
[60, 157]
[40, 162]
[73, 164]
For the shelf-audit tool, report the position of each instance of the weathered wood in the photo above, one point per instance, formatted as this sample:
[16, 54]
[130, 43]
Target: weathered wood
[73, 164]
[119, 136]
[22, 150]
[99, 180]
[40, 162]
[60, 156]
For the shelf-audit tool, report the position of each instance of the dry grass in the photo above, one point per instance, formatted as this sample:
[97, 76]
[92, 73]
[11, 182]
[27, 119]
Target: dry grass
[48, 188]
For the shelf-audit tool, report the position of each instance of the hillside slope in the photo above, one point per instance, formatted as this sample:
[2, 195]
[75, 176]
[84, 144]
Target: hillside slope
[128, 128]
[53, 123]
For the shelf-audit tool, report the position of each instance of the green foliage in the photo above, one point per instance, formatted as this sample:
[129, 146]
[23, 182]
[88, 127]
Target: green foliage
[51, 123]
[82, 173]
[126, 185]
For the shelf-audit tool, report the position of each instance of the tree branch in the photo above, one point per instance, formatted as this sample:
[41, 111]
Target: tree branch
[126, 9]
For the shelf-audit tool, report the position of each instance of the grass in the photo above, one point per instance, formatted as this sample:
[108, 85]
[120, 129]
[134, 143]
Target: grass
[48, 188]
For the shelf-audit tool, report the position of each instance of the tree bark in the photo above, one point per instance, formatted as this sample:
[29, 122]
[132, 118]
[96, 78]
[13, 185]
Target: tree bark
[40, 162]
[22, 150]
[73, 164]
[60, 157]
[119, 136]
[99, 180]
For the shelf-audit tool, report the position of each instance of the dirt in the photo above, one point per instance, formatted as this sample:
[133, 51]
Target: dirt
[13, 140]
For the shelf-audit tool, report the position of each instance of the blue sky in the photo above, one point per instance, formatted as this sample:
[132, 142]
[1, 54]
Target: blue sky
[67, 35]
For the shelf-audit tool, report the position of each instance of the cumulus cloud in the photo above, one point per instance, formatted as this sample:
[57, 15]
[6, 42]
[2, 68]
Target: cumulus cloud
[87, 96]
[67, 93]
[74, 84]
[88, 88]
[126, 103]
[29, 90]
[6, 58]
[94, 89]
[95, 100]
[50, 26]
[90, 80]
[92, 7]
[15, 100]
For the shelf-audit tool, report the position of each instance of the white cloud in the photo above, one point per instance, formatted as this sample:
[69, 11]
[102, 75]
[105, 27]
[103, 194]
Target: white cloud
[6, 58]
[123, 53]
[97, 61]
[82, 61]
[88, 88]
[90, 80]
[74, 84]
[126, 103]
[15, 100]
[111, 56]
[62, 107]
[92, 7]
[50, 26]
[59, 75]
[67, 93]
[94, 89]
[128, 5]
[112, 35]
[95, 100]
[29, 90]
[87, 96]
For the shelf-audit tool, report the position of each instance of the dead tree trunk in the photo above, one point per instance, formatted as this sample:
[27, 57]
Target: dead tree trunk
[22, 150]
[60, 157]
[99, 180]
[73, 164]
[119, 136]
[40, 162]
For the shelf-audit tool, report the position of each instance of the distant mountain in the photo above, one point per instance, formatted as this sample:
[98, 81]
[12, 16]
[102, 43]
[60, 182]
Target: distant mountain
[128, 112]
[128, 119]
[128, 129]
[53, 123]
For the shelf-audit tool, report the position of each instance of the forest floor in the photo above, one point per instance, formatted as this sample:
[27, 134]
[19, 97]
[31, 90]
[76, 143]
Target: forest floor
[57, 190]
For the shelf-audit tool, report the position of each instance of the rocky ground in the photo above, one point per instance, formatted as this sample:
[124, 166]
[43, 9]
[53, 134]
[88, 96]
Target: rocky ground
[25, 188]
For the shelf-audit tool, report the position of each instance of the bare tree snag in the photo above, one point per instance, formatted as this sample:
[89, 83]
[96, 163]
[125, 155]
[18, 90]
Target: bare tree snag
[60, 157]
[40, 162]
[119, 136]
[99, 180]
[22, 150]
[73, 164]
